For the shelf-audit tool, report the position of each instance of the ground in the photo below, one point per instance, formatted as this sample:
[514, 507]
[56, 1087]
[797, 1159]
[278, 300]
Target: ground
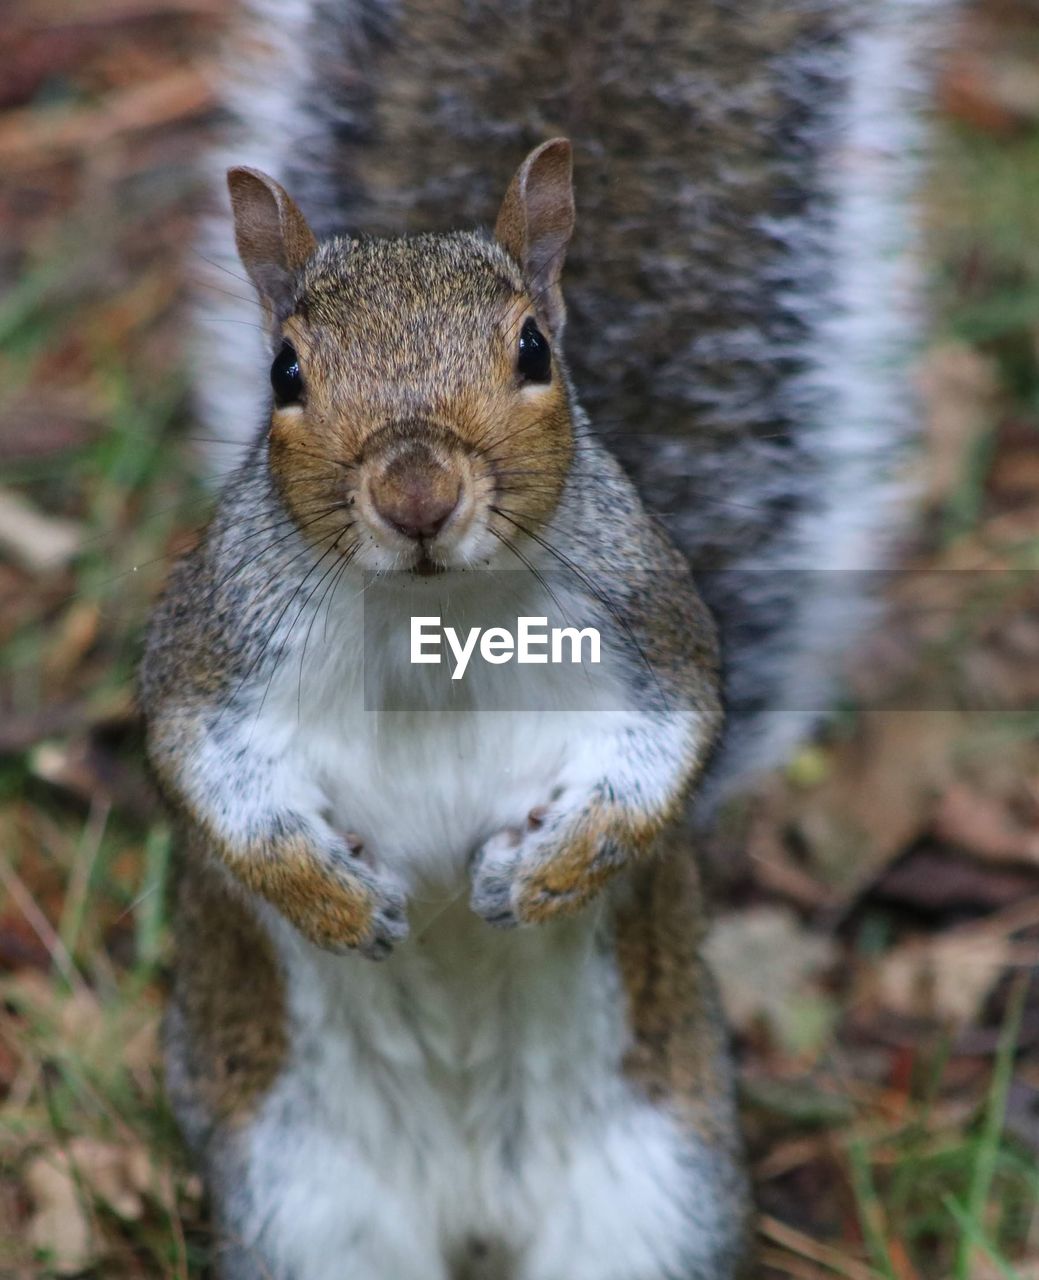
[876, 904]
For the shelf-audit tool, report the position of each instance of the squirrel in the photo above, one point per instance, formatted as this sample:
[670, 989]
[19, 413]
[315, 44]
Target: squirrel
[534, 1081]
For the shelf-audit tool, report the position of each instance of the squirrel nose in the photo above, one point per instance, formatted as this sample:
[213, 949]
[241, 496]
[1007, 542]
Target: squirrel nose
[415, 493]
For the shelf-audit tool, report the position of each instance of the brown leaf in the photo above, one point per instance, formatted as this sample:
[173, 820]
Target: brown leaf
[119, 1175]
[933, 882]
[945, 979]
[58, 13]
[959, 388]
[991, 80]
[36, 541]
[47, 422]
[60, 1226]
[877, 797]
[982, 825]
[982, 1268]
[30, 137]
[1014, 475]
[767, 965]
[72, 639]
[967, 95]
[948, 977]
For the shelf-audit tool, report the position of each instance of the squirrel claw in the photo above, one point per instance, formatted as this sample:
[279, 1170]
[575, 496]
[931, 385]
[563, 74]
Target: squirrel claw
[493, 876]
[389, 922]
[376, 950]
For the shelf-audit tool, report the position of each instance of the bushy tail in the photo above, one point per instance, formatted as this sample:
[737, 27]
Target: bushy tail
[742, 287]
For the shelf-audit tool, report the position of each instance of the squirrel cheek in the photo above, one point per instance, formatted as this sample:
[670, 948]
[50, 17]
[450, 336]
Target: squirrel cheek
[299, 460]
[286, 430]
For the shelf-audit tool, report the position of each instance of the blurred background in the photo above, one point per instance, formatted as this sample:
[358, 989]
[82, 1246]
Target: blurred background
[876, 918]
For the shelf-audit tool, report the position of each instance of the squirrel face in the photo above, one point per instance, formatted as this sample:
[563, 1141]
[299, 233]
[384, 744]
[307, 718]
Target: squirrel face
[426, 395]
[422, 414]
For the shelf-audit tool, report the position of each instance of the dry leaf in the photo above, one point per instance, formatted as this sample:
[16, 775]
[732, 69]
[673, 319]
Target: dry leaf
[121, 1176]
[995, 90]
[767, 966]
[959, 388]
[981, 1268]
[105, 1039]
[72, 639]
[877, 798]
[30, 137]
[944, 979]
[938, 883]
[973, 821]
[35, 541]
[59, 1227]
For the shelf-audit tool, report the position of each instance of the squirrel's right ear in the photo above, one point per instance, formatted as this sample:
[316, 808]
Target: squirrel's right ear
[272, 236]
[536, 221]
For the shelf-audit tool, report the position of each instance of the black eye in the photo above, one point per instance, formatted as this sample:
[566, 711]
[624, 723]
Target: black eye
[286, 378]
[534, 362]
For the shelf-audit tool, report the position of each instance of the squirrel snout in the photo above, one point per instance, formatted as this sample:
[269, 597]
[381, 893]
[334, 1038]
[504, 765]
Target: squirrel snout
[415, 492]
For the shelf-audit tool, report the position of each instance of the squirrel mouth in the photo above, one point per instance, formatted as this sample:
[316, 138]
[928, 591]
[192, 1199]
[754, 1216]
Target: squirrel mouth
[425, 567]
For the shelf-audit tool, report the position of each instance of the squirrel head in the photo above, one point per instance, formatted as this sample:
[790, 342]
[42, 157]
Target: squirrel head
[422, 414]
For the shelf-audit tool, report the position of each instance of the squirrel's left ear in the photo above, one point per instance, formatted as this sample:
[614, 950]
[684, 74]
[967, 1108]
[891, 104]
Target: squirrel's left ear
[272, 236]
[536, 221]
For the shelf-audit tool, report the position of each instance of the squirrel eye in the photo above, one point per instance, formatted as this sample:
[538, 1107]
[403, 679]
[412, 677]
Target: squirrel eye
[534, 362]
[286, 378]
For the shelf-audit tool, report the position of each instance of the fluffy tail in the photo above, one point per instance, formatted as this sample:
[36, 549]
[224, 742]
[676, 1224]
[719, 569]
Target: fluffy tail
[742, 287]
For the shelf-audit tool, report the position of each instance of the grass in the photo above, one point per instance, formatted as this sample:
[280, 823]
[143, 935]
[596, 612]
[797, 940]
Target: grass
[964, 1192]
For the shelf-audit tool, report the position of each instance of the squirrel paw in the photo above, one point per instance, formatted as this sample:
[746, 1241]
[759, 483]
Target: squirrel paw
[347, 905]
[493, 874]
[551, 867]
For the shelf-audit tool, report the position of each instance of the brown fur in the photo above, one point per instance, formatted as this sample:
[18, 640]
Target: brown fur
[677, 1050]
[607, 841]
[408, 359]
[328, 905]
[703, 275]
[271, 233]
[536, 221]
[230, 999]
[415, 489]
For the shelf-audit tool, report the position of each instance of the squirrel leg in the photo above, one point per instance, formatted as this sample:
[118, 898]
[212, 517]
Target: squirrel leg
[617, 794]
[260, 818]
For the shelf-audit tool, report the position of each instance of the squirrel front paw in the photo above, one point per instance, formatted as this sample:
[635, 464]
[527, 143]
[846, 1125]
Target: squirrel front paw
[364, 911]
[552, 866]
[332, 895]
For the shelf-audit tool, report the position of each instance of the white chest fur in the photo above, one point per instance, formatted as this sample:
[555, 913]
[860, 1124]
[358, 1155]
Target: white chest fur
[423, 768]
